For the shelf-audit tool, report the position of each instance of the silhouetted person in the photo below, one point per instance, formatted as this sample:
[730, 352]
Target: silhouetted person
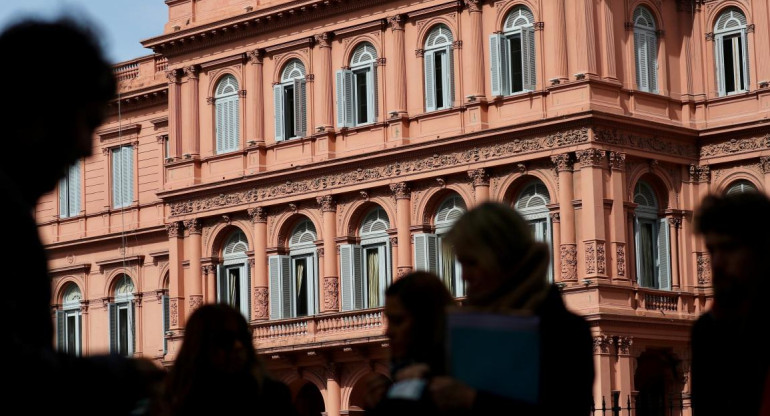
[725, 378]
[505, 271]
[218, 372]
[57, 84]
[415, 307]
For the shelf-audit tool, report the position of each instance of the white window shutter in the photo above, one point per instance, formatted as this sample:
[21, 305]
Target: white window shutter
[528, 57]
[117, 179]
[300, 108]
[60, 334]
[112, 313]
[247, 312]
[63, 198]
[220, 125]
[74, 189]
[426, 252]
[720, 65]
[166, 322]
[745, 64]
[430, 88]
[341, 98]
[358, 277]
[495, 64]
[664, 255]
[128, 175]
[278, 111]
[346, 276]
[131, 328]
[274, 269]
[371, 90]
[641, 60]
[652, 58]
[449, 91]
[288, 306]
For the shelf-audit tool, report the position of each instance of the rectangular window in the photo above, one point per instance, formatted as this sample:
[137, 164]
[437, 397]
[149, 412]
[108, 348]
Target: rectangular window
[512, 62]
[68, 324]
[122, 176]
[364, 274]
[517, 68]
[362, 101]
[301, 266]
[69, 192]
[732, 63]
[122, 339]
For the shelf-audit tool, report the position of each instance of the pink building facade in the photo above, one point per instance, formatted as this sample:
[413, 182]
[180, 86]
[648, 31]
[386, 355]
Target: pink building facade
[294, 158]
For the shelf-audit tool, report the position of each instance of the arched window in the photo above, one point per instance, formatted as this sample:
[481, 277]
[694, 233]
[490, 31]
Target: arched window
[365, 267]
[512, 54]
[740, 186]
[289, 99]
[227, 114]
[731, 52]
[357, 88]
[69, 192]
[433, 254]
[438, 60]
[121, 314]
[652, 241]
[234, 276]
[69, 322]
[294, 278]
[646, 50]
[532, 203]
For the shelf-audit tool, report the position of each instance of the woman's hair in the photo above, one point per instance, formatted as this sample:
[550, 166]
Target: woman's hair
[425, 299]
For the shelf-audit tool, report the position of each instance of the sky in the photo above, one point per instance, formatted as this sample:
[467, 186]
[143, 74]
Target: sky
[123, 23]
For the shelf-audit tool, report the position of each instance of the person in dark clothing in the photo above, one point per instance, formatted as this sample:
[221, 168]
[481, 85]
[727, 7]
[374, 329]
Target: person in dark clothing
[59, 84]
[415, 307]
[725, 381]
[505, 271]
[218, 371]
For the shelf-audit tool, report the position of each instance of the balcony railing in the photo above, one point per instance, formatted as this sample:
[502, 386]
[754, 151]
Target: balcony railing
[344, 325]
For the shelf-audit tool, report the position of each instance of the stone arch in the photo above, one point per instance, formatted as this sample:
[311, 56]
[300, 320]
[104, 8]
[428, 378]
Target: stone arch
[660, 182]
[113, 279]
[422, 34]
[724, 184]
[221, 233]
[432, 199]
[653, 8]
[356, 214]
[218, 76]
[516, 183]
[657, 377]
[506, 7]
[347, 54]
[281, 62]
[61, 286]
[286, 223]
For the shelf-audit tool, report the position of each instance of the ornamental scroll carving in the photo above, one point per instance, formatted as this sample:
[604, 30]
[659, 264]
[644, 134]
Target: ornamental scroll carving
[735, 146]
[400, 190]
[173, 308]
[258, 214]
[617, 161]
[563, 162]
[620, 258]
[174, 229]
[397, 22]
[261, 303]
[764, 164]
[590, 257]
[590, 157]
[331, 293]
[704, 268]
[327, 203]
[602, 344]
[601, 258]
[623, 344]
[700, 173]
[568, 262]
[195, 302]
[193, 225]
[512, 146]
[648, 143]
[479, 177]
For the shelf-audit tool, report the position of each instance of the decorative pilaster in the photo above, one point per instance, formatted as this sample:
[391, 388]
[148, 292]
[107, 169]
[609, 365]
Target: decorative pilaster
[675, 225]
[324, 74]
[764, 164]
[625, 365]
[194, 248]
[176, 284]
[259, 272]
[480, 180]
[256, 127]
[333, 397]
[567, 261]
[174, 113]
[403, 195]
[330, 292]
[476, 49]
[617, 223]
[592, 218]
[399, 63]
[191, 113]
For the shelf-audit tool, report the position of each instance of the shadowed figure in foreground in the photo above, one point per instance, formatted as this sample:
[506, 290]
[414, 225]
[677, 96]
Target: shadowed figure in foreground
[58, 83]
[736, 231]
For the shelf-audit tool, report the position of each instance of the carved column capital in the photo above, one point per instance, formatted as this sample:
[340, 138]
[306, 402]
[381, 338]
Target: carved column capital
[323, 39]
[192, 71]
[174, 229]
[555, 217]
[764, 163]
[617, 161]
[397, 21]
[563, 162]
[401, 190]
[257, 214]
[206, 269]
[602, 344]
[676, 222]
[194, 225]
[256, 56]
[700, 173]
[327, 203]
[473, 5]
[590, 157]
[623, 344]
[172, 76]
[479, 177]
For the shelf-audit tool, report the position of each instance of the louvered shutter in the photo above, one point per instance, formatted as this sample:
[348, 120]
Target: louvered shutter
[495, 64]
[449, 91]
[745, 64]
[221, 124]
[430, 87]
[166, 322]
[61, 339]
[426, 252]
[127, 191]
[346, 276]
[222, 288]
[117, 179]
[235, 125]
[248, 291]
[288, 307]
[300, 108]
[371, 89]
[720, 65]
[358, 277]
[641, 60]
[664, 255]
[652, 65]
[278, 112]
[74, 190]
[112, 312]
[274, 269]
[131, 327]
[528, 57]
[63, 198]
[344, 98]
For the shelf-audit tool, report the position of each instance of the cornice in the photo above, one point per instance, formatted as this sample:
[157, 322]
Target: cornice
[227, 60]
[160, 121]
[119, 261]
[112, 132]
[379, 24]
[441, 8]
[75, 268]
[291, 45]
[135, 99]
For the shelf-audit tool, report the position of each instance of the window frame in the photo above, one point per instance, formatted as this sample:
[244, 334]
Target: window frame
[122, 183]
[291, 109]
[70, 309]
[444, 51]
[646, 50]
[354, 273]
[227, 115]
[234, 258]
[69, 192]
[123, 302]
[538, 215]
[363, 63]
[647, 212]
[723, 33]
[501, 56]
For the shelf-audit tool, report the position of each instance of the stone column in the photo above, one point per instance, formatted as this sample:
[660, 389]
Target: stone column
[256, 100]
[618, 264]
[176, 293]
[324, 75]
[625, 366]
[592, 212]
[608, 42]
[700, 176]
[174, 114]
[403, 195]
[603, 369]
[330, 293]
[399, 64]
[259, 273]
[567, 247]
[194, 247]
[480, 180]
[586, 36]
[333, 398]
[559, 44]
[209, 278]
[191, 113]
[476, 49]
[675, 224]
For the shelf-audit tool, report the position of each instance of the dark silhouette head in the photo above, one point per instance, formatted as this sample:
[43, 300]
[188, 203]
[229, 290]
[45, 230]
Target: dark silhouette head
[415, 306]
[60, 83]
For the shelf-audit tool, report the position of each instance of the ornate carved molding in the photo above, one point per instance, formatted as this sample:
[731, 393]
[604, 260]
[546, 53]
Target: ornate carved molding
[256, 56]
[555, 217]
[568, 262]
[590, 257]
[172, 76]
[473, 5]
[617, 161]
[193, 225]
[401, 190]
[492, 151]
[601, 258]
[764, 164]
[700, 173]
[479, 177]
[331, 293]
[590, 157]
[620, 259]
[704, 268]
[327, 203]
[652, 144]
[257, 214]
[396, 22]
[174, 229]
[623, 344]
[174, 312]
[192, 71]
[563, 162]
[261, 303]
[733, 146]
[195, 302]
[676, 222]
[324, 40]
[602, 344]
